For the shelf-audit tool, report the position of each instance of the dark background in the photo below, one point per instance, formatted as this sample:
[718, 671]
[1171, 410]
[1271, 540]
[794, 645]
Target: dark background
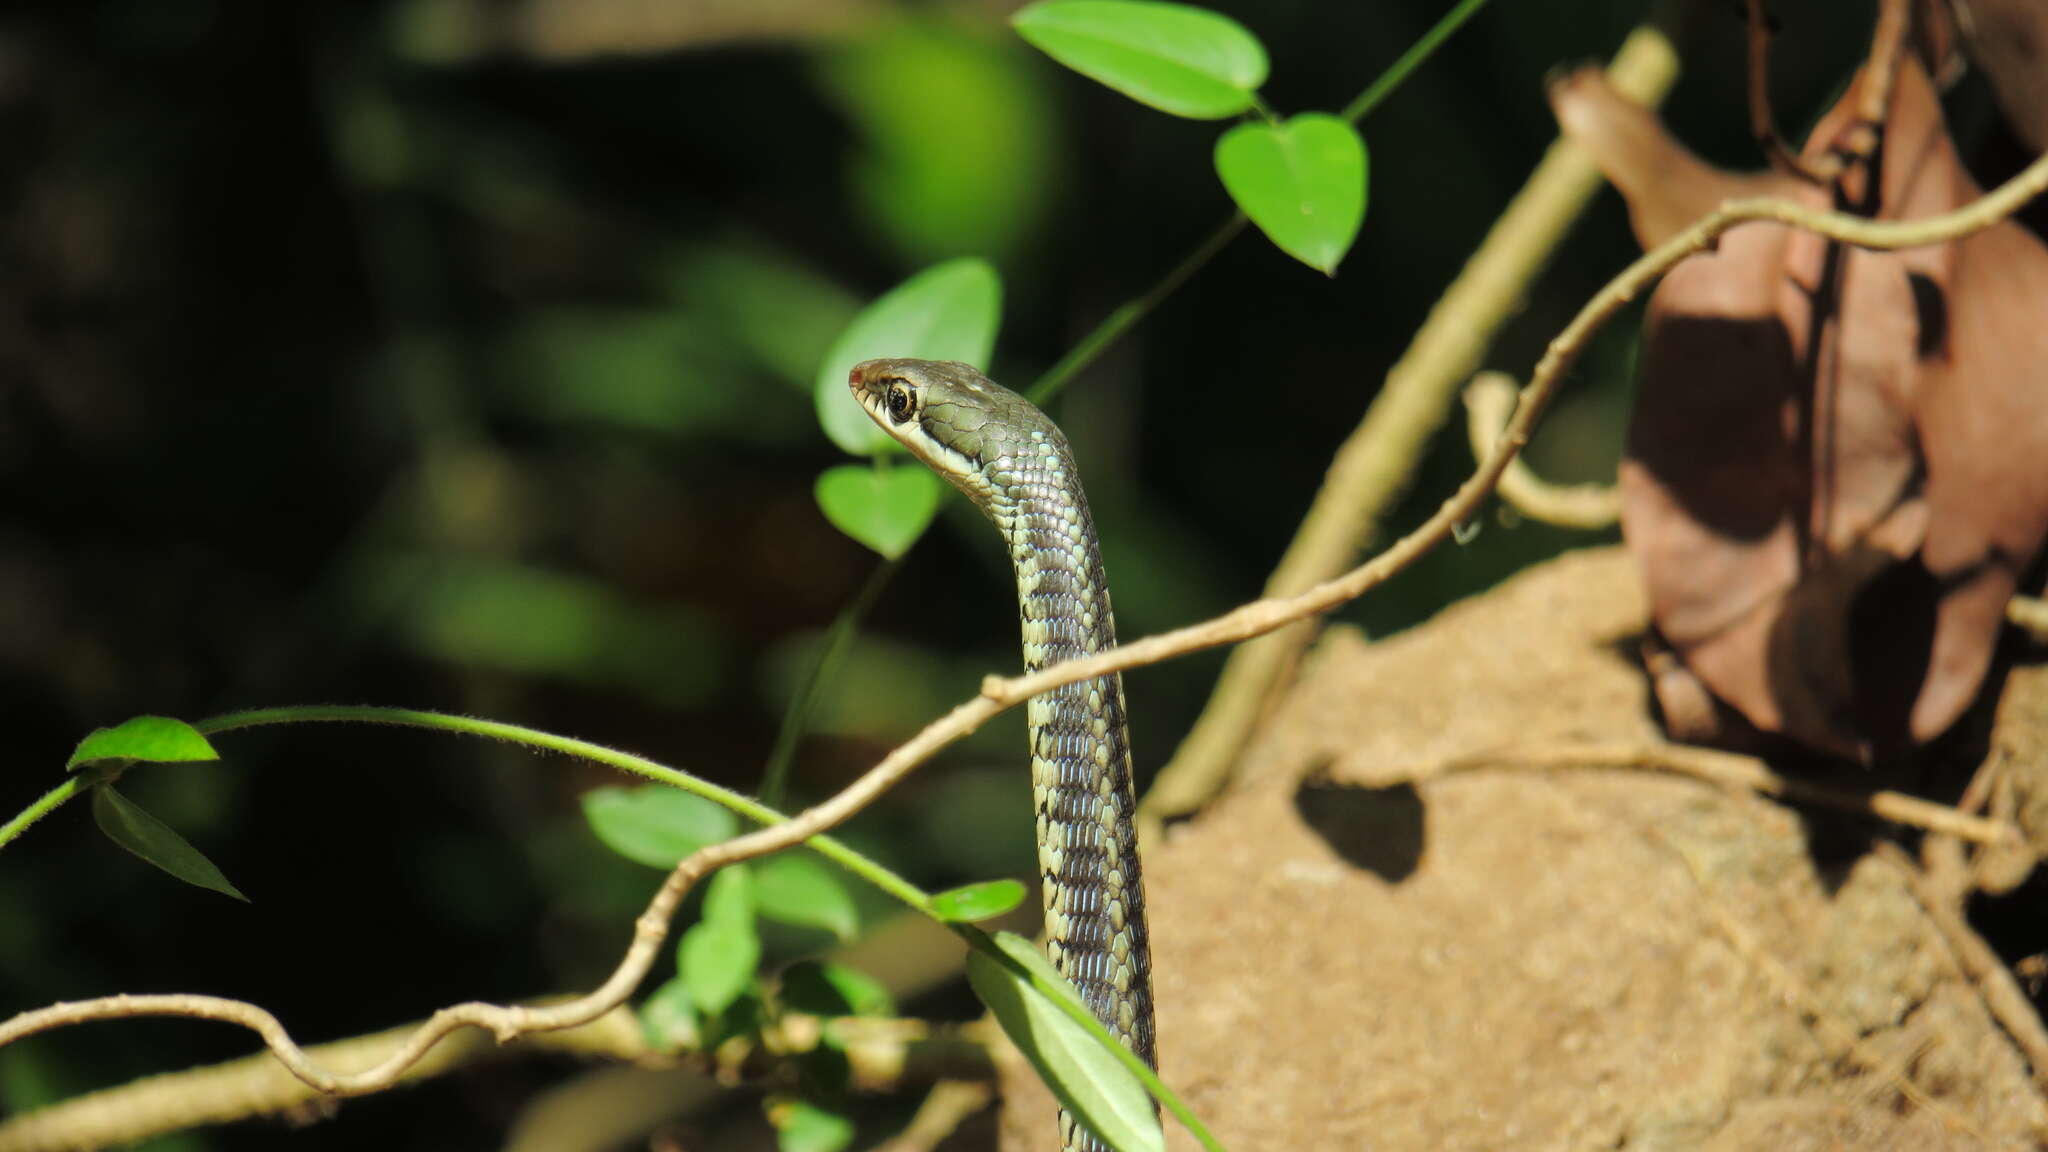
[419, 353]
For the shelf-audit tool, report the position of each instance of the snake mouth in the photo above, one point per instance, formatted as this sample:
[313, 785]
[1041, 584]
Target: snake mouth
[872, 381]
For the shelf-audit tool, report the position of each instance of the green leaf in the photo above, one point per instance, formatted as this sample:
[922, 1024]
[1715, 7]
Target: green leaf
[803, 890]
[1302, 183]
[668, 1019]
[804, 1127]
[921, 89]
[974, 902]
[717, 960]
[886, 509]
[1089, 1082]
[156, 739]
[826, 989]
[150, 838]
[654, 824]
[730, 895]
[1179, 59]
[946, 312]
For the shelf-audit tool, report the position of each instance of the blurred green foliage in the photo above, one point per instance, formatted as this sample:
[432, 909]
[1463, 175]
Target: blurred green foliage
[462, 354]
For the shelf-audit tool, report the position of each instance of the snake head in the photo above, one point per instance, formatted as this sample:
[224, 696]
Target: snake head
[956, 420]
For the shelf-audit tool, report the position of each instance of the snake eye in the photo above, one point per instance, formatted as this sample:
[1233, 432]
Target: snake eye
[901, 402]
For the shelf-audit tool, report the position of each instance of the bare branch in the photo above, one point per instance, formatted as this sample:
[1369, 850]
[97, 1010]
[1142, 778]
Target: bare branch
[1737, 771]
[1762, 124]
[2030, 615]
[1588, 507]
[949, 1103]
[1373, 465]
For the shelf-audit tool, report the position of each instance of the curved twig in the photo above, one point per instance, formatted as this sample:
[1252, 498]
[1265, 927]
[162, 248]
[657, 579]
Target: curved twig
[1588, 507]
[999, 693]
[1738, 771]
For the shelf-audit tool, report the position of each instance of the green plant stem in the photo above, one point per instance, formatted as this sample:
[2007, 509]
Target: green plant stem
[874, 873]
[796, 719]
[1127, 315]
[1410, 60]
[759, 813]
[1066, 1001]
[49, 802]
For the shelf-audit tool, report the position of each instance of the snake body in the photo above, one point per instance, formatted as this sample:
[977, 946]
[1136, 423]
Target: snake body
[1015, 465]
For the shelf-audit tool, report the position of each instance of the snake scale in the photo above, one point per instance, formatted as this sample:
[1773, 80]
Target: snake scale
[1015, 465]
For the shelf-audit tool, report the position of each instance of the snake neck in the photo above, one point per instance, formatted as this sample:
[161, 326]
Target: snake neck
[1080, 746]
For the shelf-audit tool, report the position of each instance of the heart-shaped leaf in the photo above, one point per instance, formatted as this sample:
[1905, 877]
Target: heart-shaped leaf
[973, 902]
[132, 828]
[1089, 1082]
[1303, 183]
[654, 824]
[886, 509]
[946, 312]
[156, 739]
[1179, 59]
[805, 891]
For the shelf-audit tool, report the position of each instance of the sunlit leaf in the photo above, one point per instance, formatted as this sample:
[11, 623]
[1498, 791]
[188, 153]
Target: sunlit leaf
[886, 509]
[946, 312]
[155, 739]
[1089, 1082]
[805, 891]
[801, 1126]
[654, 824]
[717, 960]
[825, 989]
[153, 840]
[669, 1017]
[1179, 59]
[1303, 183]
[973, 902]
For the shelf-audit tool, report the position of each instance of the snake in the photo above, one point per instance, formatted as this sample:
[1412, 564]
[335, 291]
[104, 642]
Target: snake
[1015, 465]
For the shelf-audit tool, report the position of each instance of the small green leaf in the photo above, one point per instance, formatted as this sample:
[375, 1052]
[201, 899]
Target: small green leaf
[730, 895]
[1302, 183]
[805, 891]
[946, 312]
[669, 1017]
[886, 509]
[974, 902]
[804, 1127]
[825, 989]
[1089, 1082]
[1179, 59]
[156, 739]
[150, 838]
[717, 960]
[654, 824]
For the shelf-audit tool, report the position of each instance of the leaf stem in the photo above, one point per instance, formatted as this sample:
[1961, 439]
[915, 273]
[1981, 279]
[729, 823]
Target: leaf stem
[796, 719]
[825, 846]
[1127, 315]
[44, 805]
[1410, 60]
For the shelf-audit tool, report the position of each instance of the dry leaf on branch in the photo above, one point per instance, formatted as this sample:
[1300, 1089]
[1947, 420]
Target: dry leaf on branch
[1835, 474]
